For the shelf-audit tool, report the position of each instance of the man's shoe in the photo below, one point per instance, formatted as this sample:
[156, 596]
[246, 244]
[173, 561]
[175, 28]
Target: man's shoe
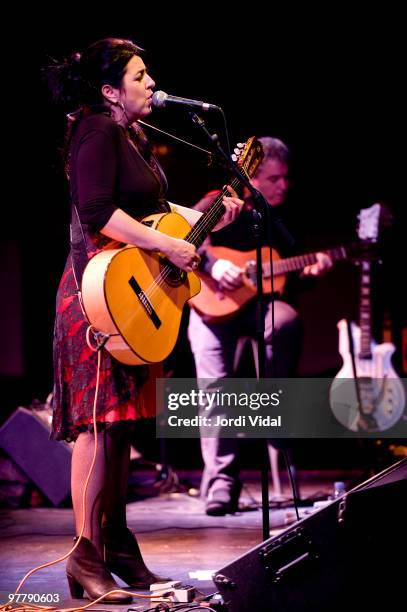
[223, 500]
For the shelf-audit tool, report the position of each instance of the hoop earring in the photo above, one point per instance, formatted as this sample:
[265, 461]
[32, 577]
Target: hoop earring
[119, 104]
[124, 112]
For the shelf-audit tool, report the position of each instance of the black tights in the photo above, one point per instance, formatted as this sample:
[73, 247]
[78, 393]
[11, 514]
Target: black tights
[107, 489]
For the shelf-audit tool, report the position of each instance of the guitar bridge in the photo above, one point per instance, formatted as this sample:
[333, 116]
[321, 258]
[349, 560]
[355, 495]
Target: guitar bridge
[145, 302]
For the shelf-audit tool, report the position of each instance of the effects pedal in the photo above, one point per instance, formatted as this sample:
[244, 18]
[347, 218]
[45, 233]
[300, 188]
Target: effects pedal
[173, 591]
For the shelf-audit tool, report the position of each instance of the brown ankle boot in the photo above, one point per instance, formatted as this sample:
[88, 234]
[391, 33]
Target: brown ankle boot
[86, 570]
[123, 558]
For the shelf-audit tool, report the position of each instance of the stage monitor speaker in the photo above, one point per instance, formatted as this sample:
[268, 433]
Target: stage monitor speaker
[47, 463]
[350, 553]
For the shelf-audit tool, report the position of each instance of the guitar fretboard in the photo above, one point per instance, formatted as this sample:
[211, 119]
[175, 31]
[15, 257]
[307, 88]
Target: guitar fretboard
[209, 219]
[250, 158]
[291, 264]
[365, 321]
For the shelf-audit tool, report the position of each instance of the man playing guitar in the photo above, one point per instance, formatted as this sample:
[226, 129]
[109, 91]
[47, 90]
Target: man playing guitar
[214, 342]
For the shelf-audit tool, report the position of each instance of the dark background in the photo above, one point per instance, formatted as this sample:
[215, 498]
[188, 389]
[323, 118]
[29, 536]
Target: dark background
[329, 85]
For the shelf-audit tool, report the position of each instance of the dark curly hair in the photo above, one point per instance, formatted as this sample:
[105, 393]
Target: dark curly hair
[77, 80]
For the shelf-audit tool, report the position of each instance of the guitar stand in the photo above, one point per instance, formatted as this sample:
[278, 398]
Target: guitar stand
[368, 464]
[363, 419]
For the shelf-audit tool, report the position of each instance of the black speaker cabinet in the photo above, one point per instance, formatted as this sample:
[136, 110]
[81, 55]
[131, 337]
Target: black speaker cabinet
[47, 463]
[352, 552]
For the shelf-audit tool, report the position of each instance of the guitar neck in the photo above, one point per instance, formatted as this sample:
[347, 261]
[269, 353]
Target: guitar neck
[210, 218]
[292, 264]
[365, 318]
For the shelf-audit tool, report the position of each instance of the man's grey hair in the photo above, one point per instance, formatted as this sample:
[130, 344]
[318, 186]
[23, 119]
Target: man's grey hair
[275, 149]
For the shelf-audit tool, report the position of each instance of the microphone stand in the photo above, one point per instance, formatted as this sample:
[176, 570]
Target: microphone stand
[261, 210]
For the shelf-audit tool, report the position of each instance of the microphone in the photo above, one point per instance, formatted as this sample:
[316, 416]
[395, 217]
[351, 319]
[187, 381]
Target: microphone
[161, 99]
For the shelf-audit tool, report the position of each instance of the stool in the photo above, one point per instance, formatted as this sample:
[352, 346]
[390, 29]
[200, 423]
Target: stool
[272, 452]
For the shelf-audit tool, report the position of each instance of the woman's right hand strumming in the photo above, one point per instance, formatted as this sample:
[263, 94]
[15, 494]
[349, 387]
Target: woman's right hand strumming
[181, 253]
[125, 229]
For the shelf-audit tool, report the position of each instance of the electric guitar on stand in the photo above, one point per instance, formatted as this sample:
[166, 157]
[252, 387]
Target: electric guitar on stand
[366, 394]
[134, 298]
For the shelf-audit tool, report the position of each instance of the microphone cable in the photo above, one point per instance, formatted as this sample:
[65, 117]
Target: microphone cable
[185, 142]
[210, 154]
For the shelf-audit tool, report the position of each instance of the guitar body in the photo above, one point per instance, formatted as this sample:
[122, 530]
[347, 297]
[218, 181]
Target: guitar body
[384, 383]
[134, 298]
[126, 297]
[215, 305]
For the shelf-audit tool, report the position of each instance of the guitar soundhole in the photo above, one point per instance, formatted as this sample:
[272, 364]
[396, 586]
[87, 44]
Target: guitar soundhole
[173, 276]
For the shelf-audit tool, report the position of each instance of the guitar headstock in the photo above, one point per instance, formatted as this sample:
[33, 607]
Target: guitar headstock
[248, 156]
[369, 223]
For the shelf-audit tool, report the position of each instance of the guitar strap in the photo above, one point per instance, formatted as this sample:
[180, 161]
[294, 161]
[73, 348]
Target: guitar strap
[79, 248]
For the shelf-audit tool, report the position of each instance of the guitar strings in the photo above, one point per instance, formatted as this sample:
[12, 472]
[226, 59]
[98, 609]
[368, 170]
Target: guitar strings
[213, 211]
[195, 232]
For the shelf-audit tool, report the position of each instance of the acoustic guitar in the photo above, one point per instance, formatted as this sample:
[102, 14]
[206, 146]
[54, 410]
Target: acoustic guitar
[366, 394]
[215, 305]
[134, 298]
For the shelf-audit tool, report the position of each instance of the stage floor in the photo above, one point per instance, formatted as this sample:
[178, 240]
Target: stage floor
[175, 535]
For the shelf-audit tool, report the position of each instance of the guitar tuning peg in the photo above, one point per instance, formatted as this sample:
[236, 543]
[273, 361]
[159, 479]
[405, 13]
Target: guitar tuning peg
[234, 157]
[240, 145]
